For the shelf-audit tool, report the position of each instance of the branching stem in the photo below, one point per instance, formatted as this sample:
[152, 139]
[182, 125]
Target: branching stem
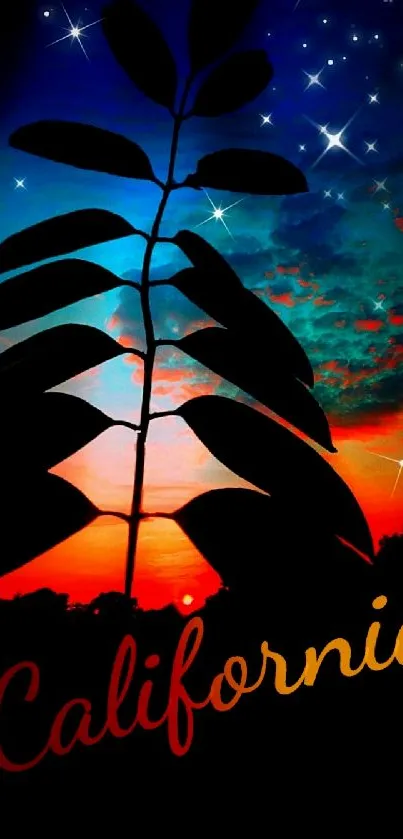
[137, 500]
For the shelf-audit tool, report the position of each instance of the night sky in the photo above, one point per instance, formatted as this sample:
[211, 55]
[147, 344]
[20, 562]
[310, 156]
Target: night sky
[328, 262]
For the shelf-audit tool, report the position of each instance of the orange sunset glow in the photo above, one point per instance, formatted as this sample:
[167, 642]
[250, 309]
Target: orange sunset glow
[169, 569]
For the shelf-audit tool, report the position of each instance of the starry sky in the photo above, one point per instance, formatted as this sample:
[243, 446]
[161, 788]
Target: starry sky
[328, 262]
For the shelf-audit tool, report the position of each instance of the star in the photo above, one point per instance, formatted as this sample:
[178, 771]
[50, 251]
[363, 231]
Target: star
[378, 305]
[334, 140]
[399, 464]
[371, 146]
[20, 183]
[327, 193]
[266, 120]
[46, 13]
[314, 79]
[340, 196]
[219, 213]
[386, 205]
[380, 186]
[373, 98]
[302, 147]
[355, 37]
[74, 32]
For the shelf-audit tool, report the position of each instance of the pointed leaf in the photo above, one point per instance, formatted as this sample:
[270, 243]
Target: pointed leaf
[54, 356]
[215, 26]
[272, 458]
[141, 51]
[248, 537]
[231, 85]
[85, 147]
[249, 171]
[218, 291]
[50, 427]
[60, 235]
[249, 365]
[39, 511]
[50, 287]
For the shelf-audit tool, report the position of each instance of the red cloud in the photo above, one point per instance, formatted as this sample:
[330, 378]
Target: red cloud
[287, 269]
[369, 325]
[399, 223]
[321, 301]
[308, 284]
[395, 320]
[125, 340]
[286, 298]
[113, 323]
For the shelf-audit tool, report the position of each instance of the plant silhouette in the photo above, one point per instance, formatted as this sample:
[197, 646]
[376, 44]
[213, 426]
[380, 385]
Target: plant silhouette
[251, 347]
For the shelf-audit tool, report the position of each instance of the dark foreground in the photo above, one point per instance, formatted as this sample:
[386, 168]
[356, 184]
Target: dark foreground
[336, 734]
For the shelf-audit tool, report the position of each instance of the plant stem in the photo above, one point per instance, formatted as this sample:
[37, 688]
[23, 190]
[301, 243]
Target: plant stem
[137, 500]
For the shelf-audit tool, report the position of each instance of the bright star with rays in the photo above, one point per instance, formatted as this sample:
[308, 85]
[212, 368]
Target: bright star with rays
[219, 213]
[386, 205]
[373, 98]
[75, 32]
[266, 120]
[340, 196]
[334, 140]
[399, 463]
[380, 186]
[371, 146]
[378, 305]
[20, 183]
[314, 79]
[302, 147]
[327, 193]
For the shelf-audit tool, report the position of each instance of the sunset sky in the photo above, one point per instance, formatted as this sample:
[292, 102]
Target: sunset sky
[329, 262]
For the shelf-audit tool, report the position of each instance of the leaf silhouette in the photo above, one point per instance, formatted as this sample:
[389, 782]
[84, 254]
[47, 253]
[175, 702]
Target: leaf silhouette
[249, 171]
[51, 427]
[60, 235]
[53, 356]
[39, 511]
[218, 291]
[52, 286]
[231, 85]
[141, 51]
[243, 533]
[249, 367]
[272, 458]
[85, 147]
[214, 27]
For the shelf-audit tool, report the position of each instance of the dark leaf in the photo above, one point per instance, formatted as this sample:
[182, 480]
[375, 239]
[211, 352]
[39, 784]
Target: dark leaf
[250, 171]
[61, 234]
[218, 291]
[50, 427]
[272, 458]
[249, 365]
[53, 356]
[231, 85]
[52, 286]
[85, 147]
[141, 51]
[254, 542]
[215, 26]
[38, 511]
